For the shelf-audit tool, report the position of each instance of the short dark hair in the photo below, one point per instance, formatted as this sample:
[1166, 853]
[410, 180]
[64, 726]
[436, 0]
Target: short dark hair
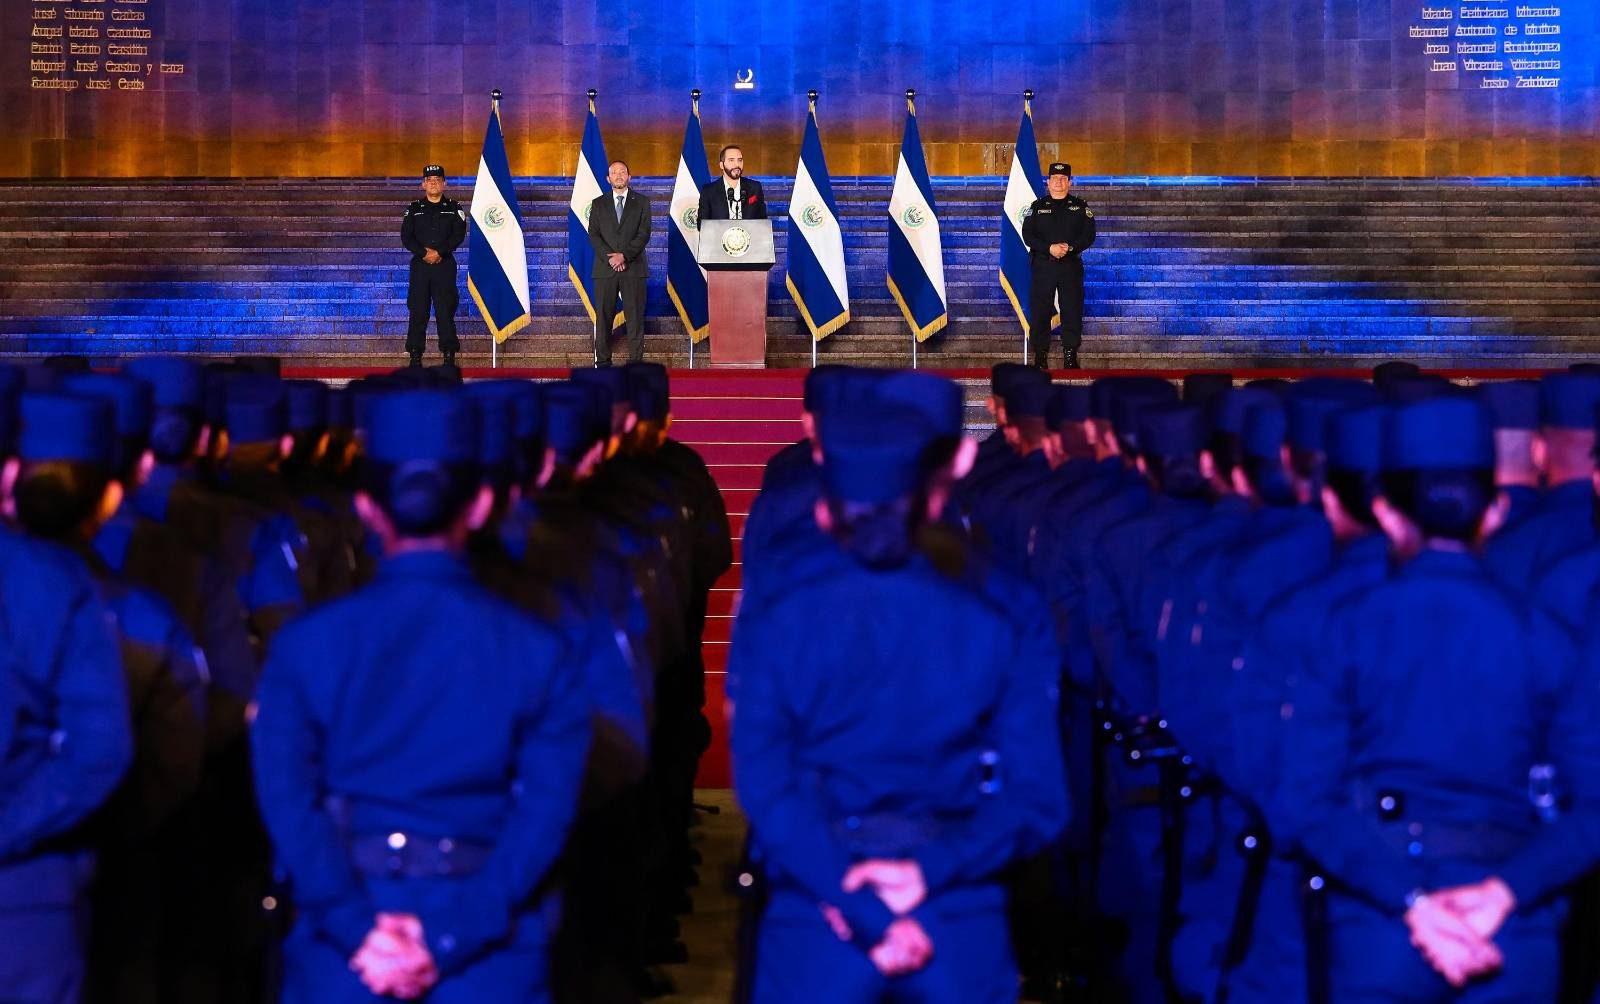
[422, 498]
[1355, 491]
[55, 497]
[174, 434]
[1446, 503]
[722, 153]
[617, 161]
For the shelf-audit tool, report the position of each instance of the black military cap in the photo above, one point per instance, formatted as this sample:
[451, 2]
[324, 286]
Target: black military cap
[433, 171]
[1060, 168]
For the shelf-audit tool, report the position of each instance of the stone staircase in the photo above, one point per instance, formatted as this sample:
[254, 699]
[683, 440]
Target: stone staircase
[1238, 274]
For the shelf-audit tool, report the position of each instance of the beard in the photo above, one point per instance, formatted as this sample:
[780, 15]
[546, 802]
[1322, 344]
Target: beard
[736, 172]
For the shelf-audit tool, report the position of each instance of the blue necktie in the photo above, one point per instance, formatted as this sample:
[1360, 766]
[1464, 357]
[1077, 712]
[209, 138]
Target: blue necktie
[619, 208]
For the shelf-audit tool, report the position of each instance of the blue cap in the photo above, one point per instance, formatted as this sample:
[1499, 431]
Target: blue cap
[1132, 395]
[1311, 401]
[872, 453]
[495, 417]
[1027, 398]
[1228, 408]
[407, 426]
[256, 408]
[364, 393]
[610, 379]
[1354, 439]
[522, 398]
[569, 421]
[177, 383]
[308, 405]
[1199, 388]
[938, 399]
[1421, 387]
[1068, 403]
[66, 427]
[1024, 390]
[650, 390]
[1265, 428]
[132, 400]
[823, 386]
[1395, 369]
[341, 408]
[1172, 430]
[1000, 375]
[1512, 404]
[1568, 400]
[1441, 432]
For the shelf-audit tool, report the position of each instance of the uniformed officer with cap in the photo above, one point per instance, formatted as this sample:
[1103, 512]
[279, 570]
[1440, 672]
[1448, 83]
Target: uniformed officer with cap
[1059, 228]
[418, 782]
[1417, 737]
[886, 879]
[433, 227]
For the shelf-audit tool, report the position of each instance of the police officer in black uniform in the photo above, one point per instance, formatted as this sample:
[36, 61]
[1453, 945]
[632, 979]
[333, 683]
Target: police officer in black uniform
[1059, 228]
[433, 228]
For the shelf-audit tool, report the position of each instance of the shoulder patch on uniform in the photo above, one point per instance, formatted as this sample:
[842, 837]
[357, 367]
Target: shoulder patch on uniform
[1089, 213]
[463, 214]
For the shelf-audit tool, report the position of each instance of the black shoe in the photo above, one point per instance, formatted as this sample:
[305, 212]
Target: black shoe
[416, 360]
[1072, 360]
[449, 358]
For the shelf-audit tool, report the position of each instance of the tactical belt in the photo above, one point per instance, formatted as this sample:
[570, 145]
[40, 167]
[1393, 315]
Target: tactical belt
[405, 855]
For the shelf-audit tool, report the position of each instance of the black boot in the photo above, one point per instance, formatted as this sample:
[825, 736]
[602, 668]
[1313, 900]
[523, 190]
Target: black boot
[1072, 360]
[449, 357]
[416, 358]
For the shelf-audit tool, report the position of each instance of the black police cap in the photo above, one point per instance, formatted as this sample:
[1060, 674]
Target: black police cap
[1060, 168]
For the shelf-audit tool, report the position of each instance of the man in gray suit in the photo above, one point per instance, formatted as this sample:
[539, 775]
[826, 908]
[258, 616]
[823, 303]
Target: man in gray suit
[619, 228]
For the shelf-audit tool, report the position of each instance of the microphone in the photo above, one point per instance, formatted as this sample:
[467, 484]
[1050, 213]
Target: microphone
[733, 205]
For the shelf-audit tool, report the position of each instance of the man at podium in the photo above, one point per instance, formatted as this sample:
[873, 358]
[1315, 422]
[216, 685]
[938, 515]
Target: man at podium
[732, 196]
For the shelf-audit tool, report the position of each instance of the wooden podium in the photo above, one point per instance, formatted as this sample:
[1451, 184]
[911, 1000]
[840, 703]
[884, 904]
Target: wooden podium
[737, 254]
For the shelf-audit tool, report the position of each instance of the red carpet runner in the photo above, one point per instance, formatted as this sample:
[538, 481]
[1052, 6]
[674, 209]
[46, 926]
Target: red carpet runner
[736, 421]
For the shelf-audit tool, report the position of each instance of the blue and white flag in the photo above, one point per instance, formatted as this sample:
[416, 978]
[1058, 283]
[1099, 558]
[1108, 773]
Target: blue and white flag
[686, 280]
[497, 260]
[916, 257]
[816, 276]
[1022, 188]
[588, 182]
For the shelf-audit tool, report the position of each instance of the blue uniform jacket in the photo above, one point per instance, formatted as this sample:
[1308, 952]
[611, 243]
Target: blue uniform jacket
[867, 695]
[426, 705]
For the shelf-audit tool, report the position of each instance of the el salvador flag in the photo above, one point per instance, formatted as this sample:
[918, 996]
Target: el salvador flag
[816, 277]
[588, 181]
[1022, 188]
[686, 280]
[497, 260]
[916, 257]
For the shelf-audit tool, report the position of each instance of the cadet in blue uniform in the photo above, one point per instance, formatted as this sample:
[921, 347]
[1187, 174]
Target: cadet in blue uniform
[888, 797]
[65, 743]
[1563, 521]
[432, 228]
[1514, 407]
[1437, 702]
[418, 781]
[1059, 228]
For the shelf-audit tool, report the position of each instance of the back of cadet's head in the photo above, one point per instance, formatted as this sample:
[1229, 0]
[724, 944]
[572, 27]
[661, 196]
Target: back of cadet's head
[1353, 442]
[1261, 438]
[1171, 440]
[1308, 405]
[178, 389]
[939, 400]
[1438, 465]
[1129, 398]
[65, 447]
[1514, 409]
[421, 461]
[874, 479]
[1567, 408]
[132, 403]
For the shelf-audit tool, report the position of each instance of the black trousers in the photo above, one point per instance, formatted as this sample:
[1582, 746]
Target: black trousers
[606, 288]
[433, 286]
[1065, 278]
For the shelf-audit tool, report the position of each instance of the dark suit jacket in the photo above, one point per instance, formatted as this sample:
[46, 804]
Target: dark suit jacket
[630, 236]
[714, 200]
